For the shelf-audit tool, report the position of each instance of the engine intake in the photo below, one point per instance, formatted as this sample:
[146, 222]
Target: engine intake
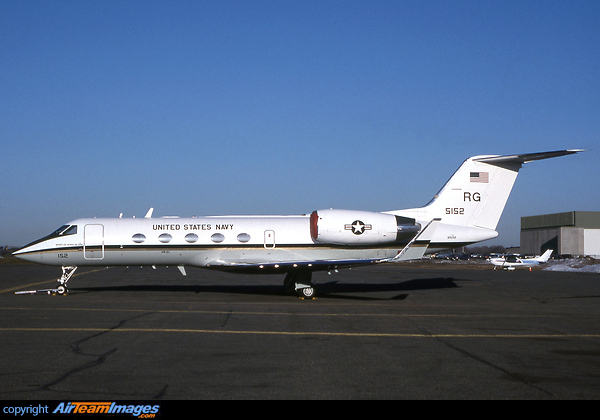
[349, 227]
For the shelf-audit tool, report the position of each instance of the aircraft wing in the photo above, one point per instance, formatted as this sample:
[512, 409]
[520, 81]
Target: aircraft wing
[415, 249]
[271, 267]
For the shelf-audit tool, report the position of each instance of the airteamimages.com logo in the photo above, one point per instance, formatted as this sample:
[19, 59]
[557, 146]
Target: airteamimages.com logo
[142, 411]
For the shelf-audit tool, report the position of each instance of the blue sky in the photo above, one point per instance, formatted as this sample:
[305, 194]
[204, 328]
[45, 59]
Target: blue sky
[284, 107]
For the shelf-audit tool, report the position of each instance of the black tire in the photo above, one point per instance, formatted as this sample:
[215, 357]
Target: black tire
[306, 292]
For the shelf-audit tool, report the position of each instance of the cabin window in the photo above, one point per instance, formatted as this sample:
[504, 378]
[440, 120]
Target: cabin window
[243, 237]
[217, 237]
[138, 238]
[191, 238]
[165, 237]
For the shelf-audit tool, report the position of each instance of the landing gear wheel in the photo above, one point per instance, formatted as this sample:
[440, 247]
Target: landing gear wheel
[306, 292]
[62, 290]
[300, 282]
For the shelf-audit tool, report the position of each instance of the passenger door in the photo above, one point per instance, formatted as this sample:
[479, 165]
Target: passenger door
[93, 242]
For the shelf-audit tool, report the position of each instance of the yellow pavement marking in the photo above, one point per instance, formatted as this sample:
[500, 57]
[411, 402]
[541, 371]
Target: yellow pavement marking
[302, 333]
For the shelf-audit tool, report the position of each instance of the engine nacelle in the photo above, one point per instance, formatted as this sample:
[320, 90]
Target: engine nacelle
[349, 227]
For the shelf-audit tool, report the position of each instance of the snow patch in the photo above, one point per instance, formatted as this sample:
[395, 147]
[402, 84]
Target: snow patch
[582, 265]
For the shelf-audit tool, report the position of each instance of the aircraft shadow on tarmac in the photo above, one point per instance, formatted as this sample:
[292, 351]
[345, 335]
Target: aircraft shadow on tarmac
[332, 289]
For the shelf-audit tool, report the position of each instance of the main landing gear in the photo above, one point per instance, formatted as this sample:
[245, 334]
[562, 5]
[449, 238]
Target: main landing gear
[300, 283]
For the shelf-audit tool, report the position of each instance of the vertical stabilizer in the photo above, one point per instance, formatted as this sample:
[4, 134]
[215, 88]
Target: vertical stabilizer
[544, 257]
[476, 194]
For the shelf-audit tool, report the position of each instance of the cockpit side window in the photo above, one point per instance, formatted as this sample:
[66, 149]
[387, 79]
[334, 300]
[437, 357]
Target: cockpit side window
[64, 230]
[72, 230]
[59, 231]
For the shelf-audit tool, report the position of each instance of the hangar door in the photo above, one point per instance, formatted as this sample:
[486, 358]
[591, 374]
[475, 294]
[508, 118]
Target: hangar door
[93, 242]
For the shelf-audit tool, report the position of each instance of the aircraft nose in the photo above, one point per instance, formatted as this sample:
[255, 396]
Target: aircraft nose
[26, 253]
[19, 251]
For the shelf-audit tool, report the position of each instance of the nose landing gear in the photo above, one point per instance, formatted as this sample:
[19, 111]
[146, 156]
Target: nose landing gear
[67, 273]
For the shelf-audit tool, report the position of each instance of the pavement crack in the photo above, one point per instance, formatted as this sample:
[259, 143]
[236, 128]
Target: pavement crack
[76, 346]
[161, 393]
[93, 363]
[496, 367]
[483, 361]
[99, 358]
[226, 319]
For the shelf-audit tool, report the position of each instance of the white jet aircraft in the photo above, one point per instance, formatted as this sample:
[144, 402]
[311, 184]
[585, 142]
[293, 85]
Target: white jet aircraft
[510, 262]
[466, 210]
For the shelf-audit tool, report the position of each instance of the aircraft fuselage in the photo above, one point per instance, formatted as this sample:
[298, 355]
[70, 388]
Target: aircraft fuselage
[229, 242]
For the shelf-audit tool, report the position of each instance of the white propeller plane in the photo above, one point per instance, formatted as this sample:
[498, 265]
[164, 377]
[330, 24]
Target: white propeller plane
[510, 262]
[466, 210]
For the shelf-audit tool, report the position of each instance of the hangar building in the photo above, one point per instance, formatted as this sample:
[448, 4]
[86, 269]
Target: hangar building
[574, 233]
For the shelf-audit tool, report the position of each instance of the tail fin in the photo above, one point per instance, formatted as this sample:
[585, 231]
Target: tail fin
[476, 194]
[544, 258]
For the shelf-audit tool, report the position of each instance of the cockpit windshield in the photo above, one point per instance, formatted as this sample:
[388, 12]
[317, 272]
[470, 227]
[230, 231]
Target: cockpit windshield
[64, 230]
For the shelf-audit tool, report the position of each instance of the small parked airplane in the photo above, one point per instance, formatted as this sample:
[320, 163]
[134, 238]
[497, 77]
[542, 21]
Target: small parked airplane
[510, 262]
[466, 210]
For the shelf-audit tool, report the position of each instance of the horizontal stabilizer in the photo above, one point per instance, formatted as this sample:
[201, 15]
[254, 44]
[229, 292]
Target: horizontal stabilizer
[528, 157]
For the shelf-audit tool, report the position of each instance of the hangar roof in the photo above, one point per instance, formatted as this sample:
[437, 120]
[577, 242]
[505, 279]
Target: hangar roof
[580, 219]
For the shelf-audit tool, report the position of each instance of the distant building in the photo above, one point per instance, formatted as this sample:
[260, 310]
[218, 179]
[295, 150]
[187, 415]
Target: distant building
[574, 233]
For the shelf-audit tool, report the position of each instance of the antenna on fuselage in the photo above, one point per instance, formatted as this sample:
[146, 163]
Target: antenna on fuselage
[149, 214]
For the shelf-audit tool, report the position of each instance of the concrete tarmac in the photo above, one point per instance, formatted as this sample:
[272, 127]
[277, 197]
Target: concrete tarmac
[432, 331]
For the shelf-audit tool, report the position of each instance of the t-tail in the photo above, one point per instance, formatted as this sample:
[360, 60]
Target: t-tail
[471, 202]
